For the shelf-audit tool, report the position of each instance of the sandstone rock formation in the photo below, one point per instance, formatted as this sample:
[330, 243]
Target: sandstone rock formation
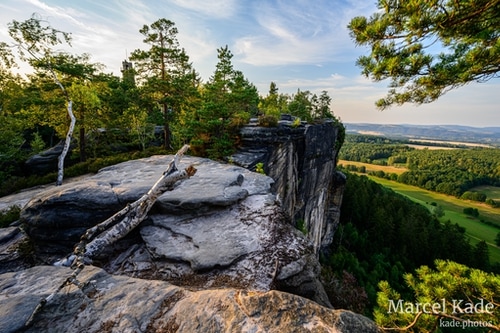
[302, 161]
[14, 250]
[211, 257]
[110, 303]
[45, 161]
[222, 227]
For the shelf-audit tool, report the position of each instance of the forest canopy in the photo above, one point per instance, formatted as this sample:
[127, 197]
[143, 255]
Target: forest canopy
[382, 235]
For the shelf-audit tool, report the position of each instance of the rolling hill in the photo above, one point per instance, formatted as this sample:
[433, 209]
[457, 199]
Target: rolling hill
[483, 135]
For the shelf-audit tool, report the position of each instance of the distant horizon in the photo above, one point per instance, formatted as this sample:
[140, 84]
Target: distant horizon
[409, 124]
[487, 135]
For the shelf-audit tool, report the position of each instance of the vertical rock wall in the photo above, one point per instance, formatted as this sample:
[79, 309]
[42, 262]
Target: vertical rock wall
[302, 162]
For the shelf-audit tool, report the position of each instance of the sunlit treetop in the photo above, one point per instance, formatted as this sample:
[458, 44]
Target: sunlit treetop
[35, 38]
[427, 47]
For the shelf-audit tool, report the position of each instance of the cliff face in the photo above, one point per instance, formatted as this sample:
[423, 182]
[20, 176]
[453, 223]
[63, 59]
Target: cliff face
[302, 161]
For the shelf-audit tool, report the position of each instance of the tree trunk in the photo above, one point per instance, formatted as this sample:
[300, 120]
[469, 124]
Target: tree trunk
[67, 143]
[136, 213]
[69, 134]
[82, 141]
[166, 131]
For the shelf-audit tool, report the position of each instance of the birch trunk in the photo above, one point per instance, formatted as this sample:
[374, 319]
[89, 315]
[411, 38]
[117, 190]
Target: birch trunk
[67, 143]
[136, 214]
[124, 221]
[69, 134]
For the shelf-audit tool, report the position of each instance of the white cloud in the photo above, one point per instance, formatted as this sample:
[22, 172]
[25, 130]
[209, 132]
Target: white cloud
[296, 32]
[212, 8]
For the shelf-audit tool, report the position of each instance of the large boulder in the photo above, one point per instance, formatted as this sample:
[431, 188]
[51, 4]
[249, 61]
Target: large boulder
[61, 214]
[14, 250]
[46, 161]
[109, 303]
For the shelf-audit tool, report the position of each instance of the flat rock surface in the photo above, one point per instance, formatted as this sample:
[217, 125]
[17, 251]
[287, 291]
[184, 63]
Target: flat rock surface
[65, 212]
[24, 196]
[216, 239]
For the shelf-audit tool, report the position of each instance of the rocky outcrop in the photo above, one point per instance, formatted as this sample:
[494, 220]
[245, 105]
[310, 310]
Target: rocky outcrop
[110, 303]
[14, 250]
[46, 161]
[220, 252]
[222, 227]
[302, 161]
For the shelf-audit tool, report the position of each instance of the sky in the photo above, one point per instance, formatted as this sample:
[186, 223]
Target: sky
[298, 44]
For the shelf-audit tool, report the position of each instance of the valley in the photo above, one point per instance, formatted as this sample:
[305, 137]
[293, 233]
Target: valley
[453, 211]
[489, 136]
[416, 171]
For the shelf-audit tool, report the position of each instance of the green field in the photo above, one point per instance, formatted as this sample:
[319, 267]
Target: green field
[453, 208]
[374, 167]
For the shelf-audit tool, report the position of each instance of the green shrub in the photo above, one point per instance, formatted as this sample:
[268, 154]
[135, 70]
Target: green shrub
[475, 196]
[240, 119]
[259, 167]
[37, 144]
[492, 203]
[220, 147]
[268, 121]
[301, 225]
[471, 211]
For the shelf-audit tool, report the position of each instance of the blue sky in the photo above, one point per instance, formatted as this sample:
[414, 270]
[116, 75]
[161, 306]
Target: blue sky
[299, 44]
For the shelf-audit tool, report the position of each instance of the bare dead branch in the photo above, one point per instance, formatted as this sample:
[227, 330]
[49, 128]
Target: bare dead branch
[407, 327]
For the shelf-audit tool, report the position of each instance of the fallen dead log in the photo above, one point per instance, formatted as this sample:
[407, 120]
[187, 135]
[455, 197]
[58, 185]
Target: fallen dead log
[137, 213]
[116, 227]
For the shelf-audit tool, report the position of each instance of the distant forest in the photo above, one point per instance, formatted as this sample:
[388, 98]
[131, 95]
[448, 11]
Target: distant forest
[485, 135]
[453, 171]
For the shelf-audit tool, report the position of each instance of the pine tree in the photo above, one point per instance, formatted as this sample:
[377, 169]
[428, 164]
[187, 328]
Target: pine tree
[229, 100]
[452, 292]
[401, 35]
[164, 72]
